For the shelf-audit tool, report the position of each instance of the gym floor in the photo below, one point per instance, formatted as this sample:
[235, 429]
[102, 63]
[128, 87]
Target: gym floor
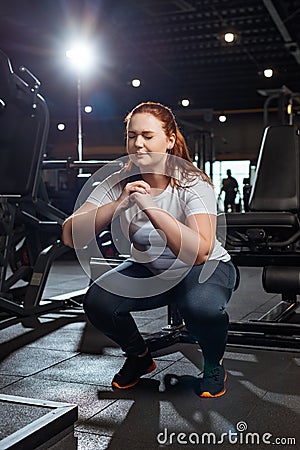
[65, 359]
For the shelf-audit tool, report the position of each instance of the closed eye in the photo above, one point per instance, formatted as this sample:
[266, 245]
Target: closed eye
[144, 135]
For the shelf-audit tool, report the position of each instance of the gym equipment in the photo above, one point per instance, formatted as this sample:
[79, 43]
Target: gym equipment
[53, 423]
[285, 99]
[268, 235]
[65, 178]
[30, 225]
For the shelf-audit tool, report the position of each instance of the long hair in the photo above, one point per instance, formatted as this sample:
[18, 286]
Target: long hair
[187, 169]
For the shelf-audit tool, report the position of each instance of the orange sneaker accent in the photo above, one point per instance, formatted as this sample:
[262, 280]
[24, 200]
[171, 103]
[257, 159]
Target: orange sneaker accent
[153, 367]
[116, 385]
[209, 395]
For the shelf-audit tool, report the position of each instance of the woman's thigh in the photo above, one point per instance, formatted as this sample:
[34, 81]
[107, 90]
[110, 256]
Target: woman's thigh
[206, 295]
[122, 289]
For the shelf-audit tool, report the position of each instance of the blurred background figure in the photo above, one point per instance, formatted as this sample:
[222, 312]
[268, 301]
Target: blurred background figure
[231, 188]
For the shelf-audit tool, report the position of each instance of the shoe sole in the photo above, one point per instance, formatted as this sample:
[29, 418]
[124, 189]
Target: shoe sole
[207, 394]
[127, 386]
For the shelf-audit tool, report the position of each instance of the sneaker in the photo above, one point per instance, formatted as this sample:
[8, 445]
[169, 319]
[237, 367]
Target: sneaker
[212, 383]
[133, 368]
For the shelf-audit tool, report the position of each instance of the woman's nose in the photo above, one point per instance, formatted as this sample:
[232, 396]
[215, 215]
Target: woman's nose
[139, 141]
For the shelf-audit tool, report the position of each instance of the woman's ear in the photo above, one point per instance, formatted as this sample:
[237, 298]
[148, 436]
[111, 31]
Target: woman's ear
[171, 142]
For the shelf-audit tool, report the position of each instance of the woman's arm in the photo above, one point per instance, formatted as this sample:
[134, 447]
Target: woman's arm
[192, 242]
[90, 219]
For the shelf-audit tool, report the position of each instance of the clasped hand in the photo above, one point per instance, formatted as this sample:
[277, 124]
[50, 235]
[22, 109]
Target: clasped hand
[137, 192]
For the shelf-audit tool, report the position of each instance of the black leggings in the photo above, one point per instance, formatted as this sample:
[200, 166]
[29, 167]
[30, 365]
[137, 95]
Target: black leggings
[201, 304]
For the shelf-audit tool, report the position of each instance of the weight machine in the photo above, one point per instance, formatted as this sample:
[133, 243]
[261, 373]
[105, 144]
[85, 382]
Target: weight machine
[30, 225]
[267, 236]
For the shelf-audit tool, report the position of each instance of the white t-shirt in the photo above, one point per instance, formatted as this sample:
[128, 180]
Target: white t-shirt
[148, 245]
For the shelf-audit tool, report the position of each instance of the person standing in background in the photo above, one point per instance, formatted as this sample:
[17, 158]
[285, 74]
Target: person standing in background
[230, 187]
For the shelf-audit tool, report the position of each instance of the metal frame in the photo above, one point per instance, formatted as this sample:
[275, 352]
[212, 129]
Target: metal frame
[257, 334]
[60, 418]
[32, 301]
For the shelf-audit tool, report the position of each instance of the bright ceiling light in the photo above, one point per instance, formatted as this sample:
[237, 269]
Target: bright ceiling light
[185, 102]
[81, 56]
[229, 37]
[61, 126]
[268, 73]
[135, 82]
[88, 109]
[222, 118]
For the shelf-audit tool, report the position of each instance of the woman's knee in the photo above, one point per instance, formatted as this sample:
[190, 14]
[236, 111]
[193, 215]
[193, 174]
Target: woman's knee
[207, 304]
[203, 313]
[96, 302]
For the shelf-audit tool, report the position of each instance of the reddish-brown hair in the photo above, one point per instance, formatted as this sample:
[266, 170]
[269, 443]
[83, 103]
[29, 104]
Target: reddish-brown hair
[165, 115]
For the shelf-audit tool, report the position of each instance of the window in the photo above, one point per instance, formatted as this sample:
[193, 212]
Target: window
[239, 170]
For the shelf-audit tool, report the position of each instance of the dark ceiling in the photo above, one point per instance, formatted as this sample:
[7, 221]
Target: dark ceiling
[175, 47]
